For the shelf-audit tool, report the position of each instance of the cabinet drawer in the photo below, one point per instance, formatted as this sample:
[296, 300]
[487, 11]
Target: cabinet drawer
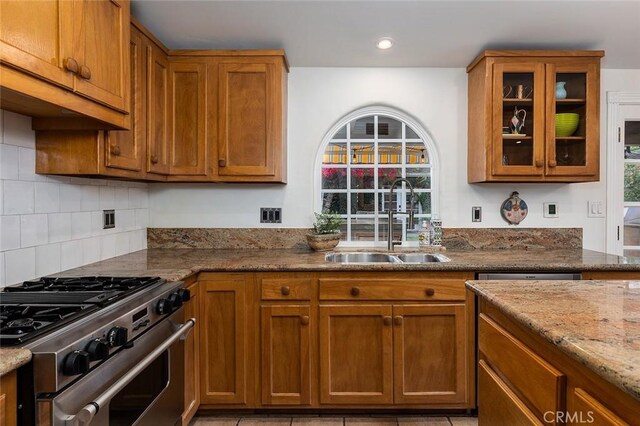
[497, 404]
[589, 410]
[425, 289]
[529, 375]
[288, 288]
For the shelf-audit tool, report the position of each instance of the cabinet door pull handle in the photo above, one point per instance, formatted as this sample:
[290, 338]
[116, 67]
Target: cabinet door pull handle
[85, 72]
[539, 163]
[553, 163]
[386, 320]
[285, 290]
[430, 292]
[304, 320]
[154, 159]
[115, 150]
[222, 163]
[397, 320]
[355, 291]
[71, 65]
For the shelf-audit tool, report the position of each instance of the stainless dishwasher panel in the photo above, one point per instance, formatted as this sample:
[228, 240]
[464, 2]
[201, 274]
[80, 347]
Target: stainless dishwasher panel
[530, 276]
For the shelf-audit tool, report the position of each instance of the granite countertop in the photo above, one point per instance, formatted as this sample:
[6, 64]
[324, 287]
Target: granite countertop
[174, 264]
[13, 358]
[595, 322]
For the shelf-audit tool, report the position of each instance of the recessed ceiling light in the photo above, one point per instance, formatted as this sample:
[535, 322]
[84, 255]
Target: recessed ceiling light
[384, 43]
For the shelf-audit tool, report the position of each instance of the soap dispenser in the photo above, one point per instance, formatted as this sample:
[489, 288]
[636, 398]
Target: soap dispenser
[424, 235]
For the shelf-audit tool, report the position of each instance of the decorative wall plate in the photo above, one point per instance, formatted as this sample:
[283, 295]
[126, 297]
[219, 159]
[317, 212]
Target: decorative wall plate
[513, 209]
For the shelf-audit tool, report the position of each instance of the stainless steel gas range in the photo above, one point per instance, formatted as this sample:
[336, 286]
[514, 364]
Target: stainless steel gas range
[106, 350]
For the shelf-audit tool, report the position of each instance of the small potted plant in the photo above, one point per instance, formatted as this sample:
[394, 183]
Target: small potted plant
[326, 232]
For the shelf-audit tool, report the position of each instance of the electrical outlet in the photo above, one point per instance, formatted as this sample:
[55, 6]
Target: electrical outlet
[108, 219]
[550, 210]
[476, 214]
[595, 209]
[270, 215]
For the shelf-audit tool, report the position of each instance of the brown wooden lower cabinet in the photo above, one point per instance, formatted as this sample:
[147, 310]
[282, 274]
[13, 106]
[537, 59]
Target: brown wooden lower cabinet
[8, 396]
[525, 380]
[271, 340]
[429, 354]
[285, 356]
[224, 340]
[356, 354]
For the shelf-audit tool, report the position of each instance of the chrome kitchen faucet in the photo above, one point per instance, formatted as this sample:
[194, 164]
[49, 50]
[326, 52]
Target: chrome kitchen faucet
[390, 242]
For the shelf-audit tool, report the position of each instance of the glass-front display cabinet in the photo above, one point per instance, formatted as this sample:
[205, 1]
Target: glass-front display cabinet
[534, 116]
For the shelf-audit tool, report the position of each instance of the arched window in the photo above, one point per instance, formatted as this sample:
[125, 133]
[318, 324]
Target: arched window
[358, 161]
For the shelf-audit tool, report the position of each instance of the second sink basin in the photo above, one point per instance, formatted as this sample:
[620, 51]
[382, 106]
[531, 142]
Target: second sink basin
[421, 257]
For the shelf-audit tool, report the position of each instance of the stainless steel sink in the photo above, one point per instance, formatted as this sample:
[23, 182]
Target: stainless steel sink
[372, 257]
[422, 257]
[362, 257]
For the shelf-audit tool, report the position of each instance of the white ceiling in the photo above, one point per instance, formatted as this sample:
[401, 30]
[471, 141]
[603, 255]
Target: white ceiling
[343, 33]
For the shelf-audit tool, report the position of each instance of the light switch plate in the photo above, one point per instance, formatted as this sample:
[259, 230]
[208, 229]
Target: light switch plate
[270, 215]
[595, 209]
[550, 210]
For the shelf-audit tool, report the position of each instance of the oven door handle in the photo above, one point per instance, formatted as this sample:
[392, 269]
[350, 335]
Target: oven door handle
[87, 413]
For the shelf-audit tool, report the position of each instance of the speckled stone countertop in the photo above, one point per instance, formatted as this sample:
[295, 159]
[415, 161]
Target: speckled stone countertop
[595, 322]
[13, 358]
[176, 264]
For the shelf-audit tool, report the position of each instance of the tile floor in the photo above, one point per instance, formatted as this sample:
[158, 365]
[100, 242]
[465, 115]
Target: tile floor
[333, 421]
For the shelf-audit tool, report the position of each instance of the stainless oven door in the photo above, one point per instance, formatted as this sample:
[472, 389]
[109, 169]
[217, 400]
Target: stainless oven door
[140, 385]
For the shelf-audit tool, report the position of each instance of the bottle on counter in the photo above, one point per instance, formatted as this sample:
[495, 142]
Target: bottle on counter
[424, 235]
[436, 231]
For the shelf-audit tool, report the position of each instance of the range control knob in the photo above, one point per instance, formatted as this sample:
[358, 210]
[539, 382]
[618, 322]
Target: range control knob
[117, 336]
[77, 362]
[164, 306]
[175, 300]
[184, 294]
[98, 350]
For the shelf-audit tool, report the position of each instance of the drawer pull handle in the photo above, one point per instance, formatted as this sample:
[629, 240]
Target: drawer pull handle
[304, 320]
[539, 163]
[222, 163]
[71, 65]
[386, 320]
[85, 72]
[397, 320]
[553, 163]
[285, 290]
[430, 292]
[115, 150]
[355, 291]
[154, 159]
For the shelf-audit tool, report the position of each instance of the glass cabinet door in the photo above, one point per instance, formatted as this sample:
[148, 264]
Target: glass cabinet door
[518, 119]
[572, 126]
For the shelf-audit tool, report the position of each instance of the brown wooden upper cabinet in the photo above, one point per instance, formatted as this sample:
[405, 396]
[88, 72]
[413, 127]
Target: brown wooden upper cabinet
[534, 116]
[251, 121]
[49, 48]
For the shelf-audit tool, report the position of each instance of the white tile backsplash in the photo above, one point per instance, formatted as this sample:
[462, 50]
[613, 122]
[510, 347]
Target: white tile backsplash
[9, 168]
[19, 197]
[34, 230]
[70, 197]
[9, 232]
[52, 223]
[20, 265]
[17, 130]
[59, 227]
[70, 254]
[90, 198]
[80, 225]
[47, 197]
[47, 259]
